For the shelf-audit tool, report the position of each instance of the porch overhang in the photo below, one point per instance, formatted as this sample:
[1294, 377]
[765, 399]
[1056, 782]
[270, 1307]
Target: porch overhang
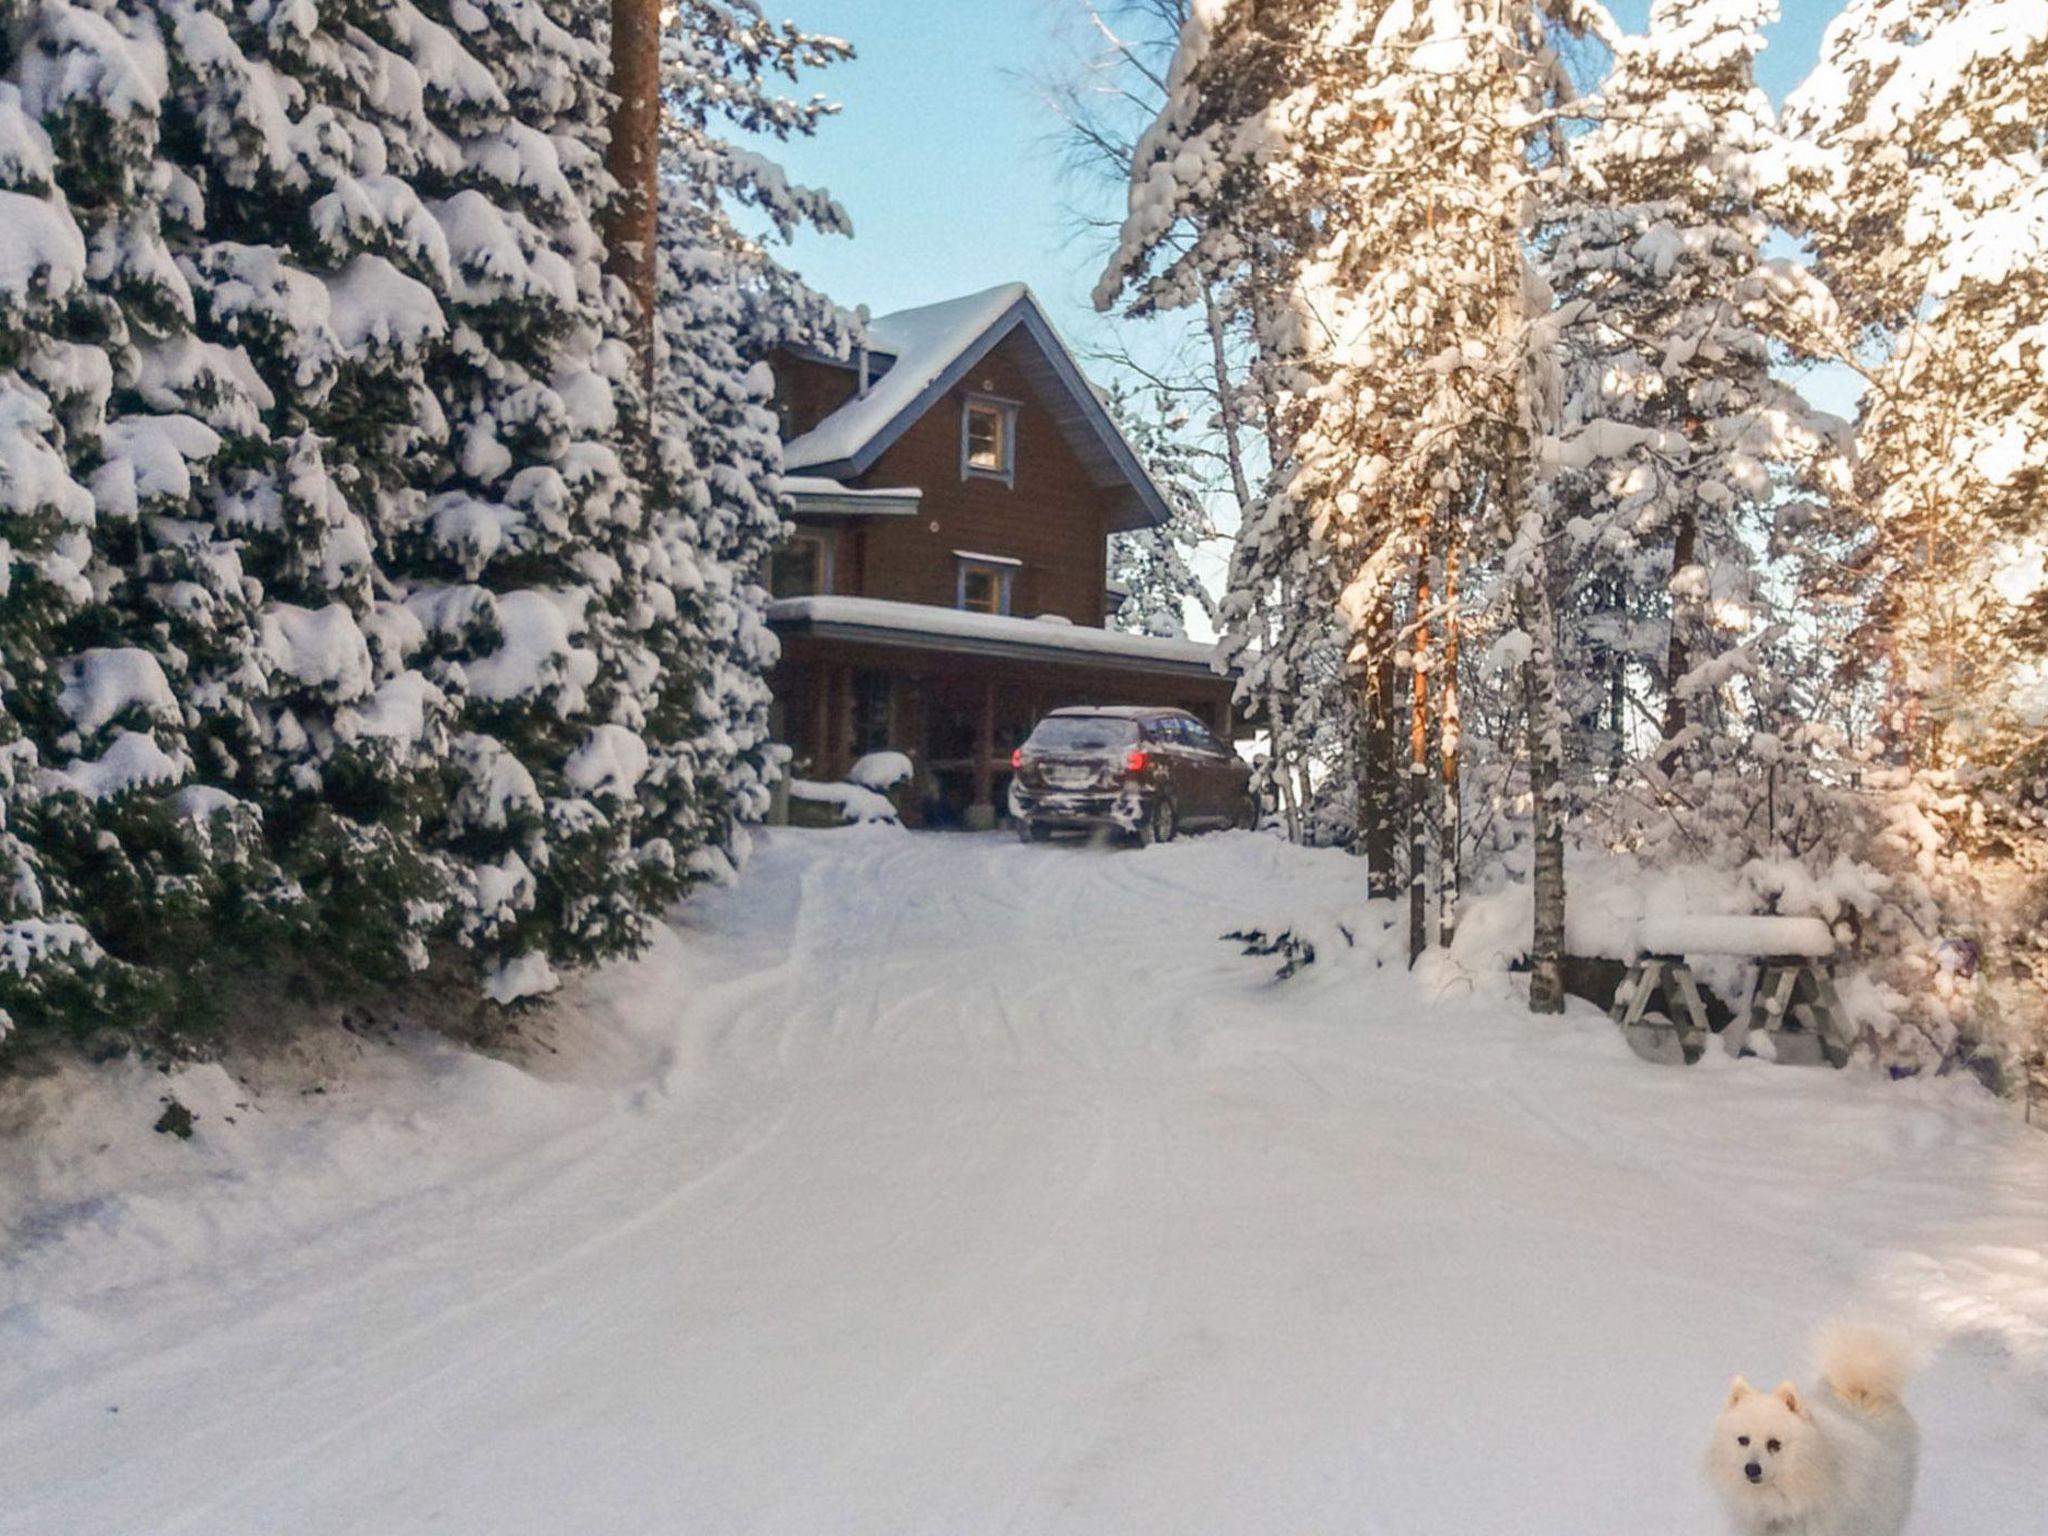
[920, 627]
[816, 496]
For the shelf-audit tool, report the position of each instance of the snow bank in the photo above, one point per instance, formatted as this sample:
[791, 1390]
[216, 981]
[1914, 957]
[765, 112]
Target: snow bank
[918, 1177]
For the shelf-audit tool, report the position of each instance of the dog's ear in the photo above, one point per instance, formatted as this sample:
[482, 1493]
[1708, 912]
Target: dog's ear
[1738, 1391]
[1789, 1396]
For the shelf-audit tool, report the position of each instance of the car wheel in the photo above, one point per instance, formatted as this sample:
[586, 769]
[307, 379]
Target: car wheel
[1029, 831]
[1161, 822]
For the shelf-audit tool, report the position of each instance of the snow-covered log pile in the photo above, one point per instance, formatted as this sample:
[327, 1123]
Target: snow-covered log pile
[359, 611]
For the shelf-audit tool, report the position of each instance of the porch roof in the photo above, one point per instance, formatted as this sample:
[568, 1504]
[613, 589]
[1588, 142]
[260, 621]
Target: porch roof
[920, 626]
[819, 496]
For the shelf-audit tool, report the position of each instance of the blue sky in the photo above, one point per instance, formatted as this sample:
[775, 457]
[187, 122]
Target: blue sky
[944, 157]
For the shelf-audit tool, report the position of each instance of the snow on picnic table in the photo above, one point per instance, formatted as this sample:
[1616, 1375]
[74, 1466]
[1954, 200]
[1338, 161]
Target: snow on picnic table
[947, 1185]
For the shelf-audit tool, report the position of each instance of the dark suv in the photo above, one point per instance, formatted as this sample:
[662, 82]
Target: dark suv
[1147, 772]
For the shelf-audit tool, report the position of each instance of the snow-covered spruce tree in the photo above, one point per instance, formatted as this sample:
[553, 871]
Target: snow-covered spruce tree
[123, 691]
[725, 303]
[1677, 444]
[433, 718]
[1151, 566]
[360, 652]
[49, 964]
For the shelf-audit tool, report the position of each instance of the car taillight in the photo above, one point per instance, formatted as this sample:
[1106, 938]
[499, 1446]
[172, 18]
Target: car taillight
[1017, 758]
[1138, 761]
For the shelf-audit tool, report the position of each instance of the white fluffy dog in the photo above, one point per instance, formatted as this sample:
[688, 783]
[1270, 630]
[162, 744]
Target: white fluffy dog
[1840, 1462]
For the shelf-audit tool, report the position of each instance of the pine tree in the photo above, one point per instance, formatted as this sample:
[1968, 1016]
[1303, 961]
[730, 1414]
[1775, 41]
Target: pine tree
[1151, 566]
[1678, 443]
[1389, 147]
[1924, 204]
[1922, 192]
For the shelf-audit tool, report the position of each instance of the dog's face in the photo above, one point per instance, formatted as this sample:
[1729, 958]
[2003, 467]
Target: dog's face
[1761, 1456]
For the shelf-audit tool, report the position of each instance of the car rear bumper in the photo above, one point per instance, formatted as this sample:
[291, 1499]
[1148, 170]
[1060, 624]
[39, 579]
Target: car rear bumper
[1123, 809]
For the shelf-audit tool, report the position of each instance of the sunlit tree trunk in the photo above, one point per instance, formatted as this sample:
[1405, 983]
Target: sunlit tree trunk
[634, 159]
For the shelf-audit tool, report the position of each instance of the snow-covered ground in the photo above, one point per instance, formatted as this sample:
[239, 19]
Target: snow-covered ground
[943, 1185]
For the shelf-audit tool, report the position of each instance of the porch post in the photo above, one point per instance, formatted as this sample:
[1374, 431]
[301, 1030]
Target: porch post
[821, 720]
[981, 815]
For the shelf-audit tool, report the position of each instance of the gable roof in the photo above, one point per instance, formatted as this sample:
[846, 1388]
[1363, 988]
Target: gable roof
[923, 353]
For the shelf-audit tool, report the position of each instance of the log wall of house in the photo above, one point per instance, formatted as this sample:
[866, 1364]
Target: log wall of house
[1053, 518]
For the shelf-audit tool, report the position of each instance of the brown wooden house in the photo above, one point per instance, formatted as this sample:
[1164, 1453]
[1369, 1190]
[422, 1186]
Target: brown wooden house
[953, 489]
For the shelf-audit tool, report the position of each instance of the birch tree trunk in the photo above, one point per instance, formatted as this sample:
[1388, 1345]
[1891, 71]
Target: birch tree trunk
[1545, 722]
[1378, 761]
[634, 160]
[1678, 653]
[1450, 741]
[1418, 752]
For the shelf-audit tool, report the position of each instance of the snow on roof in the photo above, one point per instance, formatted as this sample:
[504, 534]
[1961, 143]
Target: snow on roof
[922, 623]
[933, 347]
[819, 485]
[818, 494]
[925, 343]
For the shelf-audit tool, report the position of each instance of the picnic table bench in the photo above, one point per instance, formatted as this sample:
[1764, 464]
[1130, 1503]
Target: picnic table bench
[1793, 1004]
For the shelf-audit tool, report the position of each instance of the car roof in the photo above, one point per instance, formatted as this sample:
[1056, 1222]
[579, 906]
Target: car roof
[1122, 711]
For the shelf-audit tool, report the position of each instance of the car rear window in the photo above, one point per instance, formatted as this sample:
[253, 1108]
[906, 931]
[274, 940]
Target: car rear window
[1084, 733]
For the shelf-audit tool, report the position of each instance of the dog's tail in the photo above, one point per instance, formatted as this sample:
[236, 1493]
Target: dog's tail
[1864, 1367]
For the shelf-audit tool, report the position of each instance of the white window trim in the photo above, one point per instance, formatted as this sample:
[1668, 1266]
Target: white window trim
[1000, 568]
[1008, 411]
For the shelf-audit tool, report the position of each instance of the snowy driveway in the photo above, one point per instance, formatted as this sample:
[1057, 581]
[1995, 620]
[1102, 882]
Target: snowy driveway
[965, 1187]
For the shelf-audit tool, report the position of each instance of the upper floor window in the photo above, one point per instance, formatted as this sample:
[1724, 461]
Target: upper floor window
[983, 582]
[802, 566]
[988, 440]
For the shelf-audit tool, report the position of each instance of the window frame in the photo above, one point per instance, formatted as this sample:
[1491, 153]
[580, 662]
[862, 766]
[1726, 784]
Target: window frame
[1005, 412]
[827, 543]
[963, 566]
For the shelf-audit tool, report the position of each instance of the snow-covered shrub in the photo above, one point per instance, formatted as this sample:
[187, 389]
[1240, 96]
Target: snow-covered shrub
[813, 803]
[881, 771]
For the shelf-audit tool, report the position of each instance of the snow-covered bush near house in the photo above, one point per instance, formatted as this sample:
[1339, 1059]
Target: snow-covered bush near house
[881, 771]
[846, 804]
[321, 472]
